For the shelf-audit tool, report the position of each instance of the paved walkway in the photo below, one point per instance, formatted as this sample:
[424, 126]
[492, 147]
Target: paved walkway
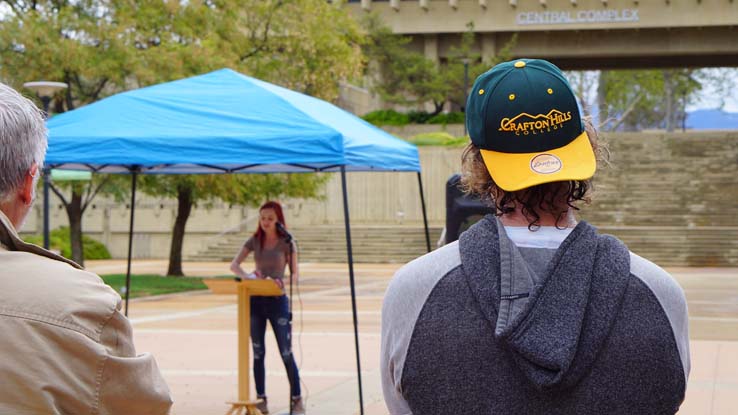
[193, 337]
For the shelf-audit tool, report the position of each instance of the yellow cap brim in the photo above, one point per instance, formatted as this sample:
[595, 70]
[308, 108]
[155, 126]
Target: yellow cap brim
[516, 171]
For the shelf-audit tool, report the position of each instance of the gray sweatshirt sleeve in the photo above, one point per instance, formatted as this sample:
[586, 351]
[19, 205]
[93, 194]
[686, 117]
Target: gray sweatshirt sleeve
[671, 297]
[402, 304]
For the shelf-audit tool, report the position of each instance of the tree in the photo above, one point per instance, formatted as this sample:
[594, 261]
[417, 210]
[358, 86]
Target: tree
[79, 198]
[400, 75]
[75, 42]
[584, 84]
[452, 72]
[406, 77]
[633, 100]
[101, 47]
[306, 45]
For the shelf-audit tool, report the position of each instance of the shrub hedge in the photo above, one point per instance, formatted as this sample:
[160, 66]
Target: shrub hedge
[392, 117]
[59, 241]
[439, 138]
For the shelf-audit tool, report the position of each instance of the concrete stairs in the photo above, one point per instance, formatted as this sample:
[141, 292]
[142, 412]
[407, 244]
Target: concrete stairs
[673, 199]
[679, 246]
[371, 244]
[665, 245]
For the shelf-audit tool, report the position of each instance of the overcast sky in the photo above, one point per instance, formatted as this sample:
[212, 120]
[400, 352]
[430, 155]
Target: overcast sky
[710, 99]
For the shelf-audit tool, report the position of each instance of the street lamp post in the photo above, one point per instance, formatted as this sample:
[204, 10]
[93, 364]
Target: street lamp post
[45, 91]
[466, 87]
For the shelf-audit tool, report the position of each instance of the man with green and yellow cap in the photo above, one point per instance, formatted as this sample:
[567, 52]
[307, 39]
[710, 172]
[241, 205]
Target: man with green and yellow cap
[532, 311]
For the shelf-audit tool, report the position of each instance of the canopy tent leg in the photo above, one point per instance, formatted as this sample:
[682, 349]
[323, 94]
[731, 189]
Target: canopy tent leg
[134, 174]
[351, 280]
[47, 173]
[425, 216]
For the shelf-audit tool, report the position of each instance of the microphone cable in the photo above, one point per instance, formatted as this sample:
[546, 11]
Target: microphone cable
[303, 384]
[299, 336]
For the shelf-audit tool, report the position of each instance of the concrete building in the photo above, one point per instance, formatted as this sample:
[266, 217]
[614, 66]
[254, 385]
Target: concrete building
[574, 34]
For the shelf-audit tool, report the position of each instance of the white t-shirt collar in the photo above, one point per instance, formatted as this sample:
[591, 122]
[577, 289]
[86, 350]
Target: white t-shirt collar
[549, 237]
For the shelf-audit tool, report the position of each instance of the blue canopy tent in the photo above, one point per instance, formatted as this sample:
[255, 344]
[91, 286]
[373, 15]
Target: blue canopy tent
[225, 122]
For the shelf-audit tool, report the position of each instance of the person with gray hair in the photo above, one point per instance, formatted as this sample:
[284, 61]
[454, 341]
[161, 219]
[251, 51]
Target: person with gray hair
[66, 347]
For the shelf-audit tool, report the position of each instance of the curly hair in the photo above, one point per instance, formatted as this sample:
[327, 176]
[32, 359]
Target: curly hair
[554, 198]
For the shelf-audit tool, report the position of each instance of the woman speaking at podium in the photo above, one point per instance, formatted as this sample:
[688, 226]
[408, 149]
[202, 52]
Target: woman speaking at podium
[273, 250]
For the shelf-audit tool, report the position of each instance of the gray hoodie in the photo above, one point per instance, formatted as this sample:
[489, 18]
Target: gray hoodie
[484, 327]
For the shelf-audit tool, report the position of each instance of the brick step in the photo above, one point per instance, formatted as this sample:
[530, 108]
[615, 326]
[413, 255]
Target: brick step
[394, 259]
[303, 243]
[376, 244]
[655, 231]
[369, 240]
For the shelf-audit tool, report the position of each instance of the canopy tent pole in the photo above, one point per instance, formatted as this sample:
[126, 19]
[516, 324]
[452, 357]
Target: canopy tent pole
[425, 216]
[134, 173]
[46, 173]
[351, 280]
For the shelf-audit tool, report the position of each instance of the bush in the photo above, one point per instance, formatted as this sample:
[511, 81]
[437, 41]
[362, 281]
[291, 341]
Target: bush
[419, 117]
[439, 138]
[59, 241]
[387, 117]
[448, 118]
[392, 117]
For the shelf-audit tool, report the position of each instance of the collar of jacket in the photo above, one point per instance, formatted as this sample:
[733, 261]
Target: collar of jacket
[11, 241]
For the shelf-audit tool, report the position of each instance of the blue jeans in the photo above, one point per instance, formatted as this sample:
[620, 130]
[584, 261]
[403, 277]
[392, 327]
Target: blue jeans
[276, 310]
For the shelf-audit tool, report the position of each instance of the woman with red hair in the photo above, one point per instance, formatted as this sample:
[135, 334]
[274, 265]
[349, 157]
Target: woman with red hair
[273, 250]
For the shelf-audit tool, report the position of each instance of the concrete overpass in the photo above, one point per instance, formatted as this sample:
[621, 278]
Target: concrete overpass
[574, 34]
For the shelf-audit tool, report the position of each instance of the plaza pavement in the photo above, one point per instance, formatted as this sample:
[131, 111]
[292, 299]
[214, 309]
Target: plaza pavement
[193, 337]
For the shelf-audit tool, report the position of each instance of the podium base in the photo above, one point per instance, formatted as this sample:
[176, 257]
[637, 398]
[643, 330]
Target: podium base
[244, 408]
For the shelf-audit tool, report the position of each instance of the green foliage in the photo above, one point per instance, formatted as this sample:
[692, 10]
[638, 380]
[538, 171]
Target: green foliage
[146, 285]
[439, 138]
[305, 45]
[392, 117]
[116, 186]
[456, 117]
[387, 117]
[408, 78]
[419, 117]
[101, 47]
[59, 241]
[641, 99]
[403, 76]
[238, 189]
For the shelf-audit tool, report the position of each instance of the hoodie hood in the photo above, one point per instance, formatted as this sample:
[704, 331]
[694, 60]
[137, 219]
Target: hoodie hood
[553, 322]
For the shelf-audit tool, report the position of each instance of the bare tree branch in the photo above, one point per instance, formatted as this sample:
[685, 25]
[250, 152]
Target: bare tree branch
[265, 37]
[627, 111]
[98, 89]
[58, 194]
[91, 195]
[68, 92]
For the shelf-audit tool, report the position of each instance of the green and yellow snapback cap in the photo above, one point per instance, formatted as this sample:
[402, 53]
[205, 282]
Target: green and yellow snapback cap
[525, 120]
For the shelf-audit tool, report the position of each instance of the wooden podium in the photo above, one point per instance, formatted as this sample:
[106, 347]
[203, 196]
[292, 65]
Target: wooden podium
[245, 290]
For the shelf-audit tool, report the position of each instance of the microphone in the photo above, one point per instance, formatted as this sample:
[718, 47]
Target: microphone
[283, 230]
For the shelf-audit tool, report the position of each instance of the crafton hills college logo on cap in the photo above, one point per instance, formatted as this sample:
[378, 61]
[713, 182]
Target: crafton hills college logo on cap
[524, 118]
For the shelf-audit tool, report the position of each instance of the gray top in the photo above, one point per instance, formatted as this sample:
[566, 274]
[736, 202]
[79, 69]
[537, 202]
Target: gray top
[270, 261]
[482, 326]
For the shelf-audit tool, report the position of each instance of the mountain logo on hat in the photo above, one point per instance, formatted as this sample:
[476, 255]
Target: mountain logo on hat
[533, 123]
